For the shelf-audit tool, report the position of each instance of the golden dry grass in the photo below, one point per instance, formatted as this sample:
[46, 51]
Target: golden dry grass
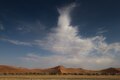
[39, 77]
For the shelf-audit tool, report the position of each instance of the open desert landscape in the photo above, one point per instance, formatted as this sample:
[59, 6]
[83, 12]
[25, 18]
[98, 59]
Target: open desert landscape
[57, 73]
[59, 39]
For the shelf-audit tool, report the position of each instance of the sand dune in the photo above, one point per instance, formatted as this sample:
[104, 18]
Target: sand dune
[57, 70]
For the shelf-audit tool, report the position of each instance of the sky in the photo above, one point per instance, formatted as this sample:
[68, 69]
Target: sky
[72, 33]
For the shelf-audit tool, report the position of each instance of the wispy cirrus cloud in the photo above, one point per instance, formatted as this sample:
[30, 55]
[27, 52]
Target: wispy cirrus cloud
[70, 49]
[16, 42]
[27, 27]
[101, 31]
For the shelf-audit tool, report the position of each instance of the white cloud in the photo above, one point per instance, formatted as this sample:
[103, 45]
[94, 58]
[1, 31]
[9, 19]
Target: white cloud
[69, 61]
[16, 42]
[72, 50]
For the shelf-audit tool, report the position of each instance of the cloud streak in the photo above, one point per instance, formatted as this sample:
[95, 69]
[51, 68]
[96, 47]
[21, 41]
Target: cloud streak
[16, 42]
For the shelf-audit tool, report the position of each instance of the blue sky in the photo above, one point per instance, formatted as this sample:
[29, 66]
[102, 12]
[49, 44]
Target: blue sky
[73, 33]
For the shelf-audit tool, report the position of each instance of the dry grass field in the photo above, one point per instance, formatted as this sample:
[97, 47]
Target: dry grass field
[60, 77]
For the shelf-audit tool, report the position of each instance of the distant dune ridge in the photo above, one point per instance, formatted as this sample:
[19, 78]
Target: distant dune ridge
[10, 70]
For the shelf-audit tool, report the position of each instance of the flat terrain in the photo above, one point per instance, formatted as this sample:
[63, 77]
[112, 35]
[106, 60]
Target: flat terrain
[60, 77]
